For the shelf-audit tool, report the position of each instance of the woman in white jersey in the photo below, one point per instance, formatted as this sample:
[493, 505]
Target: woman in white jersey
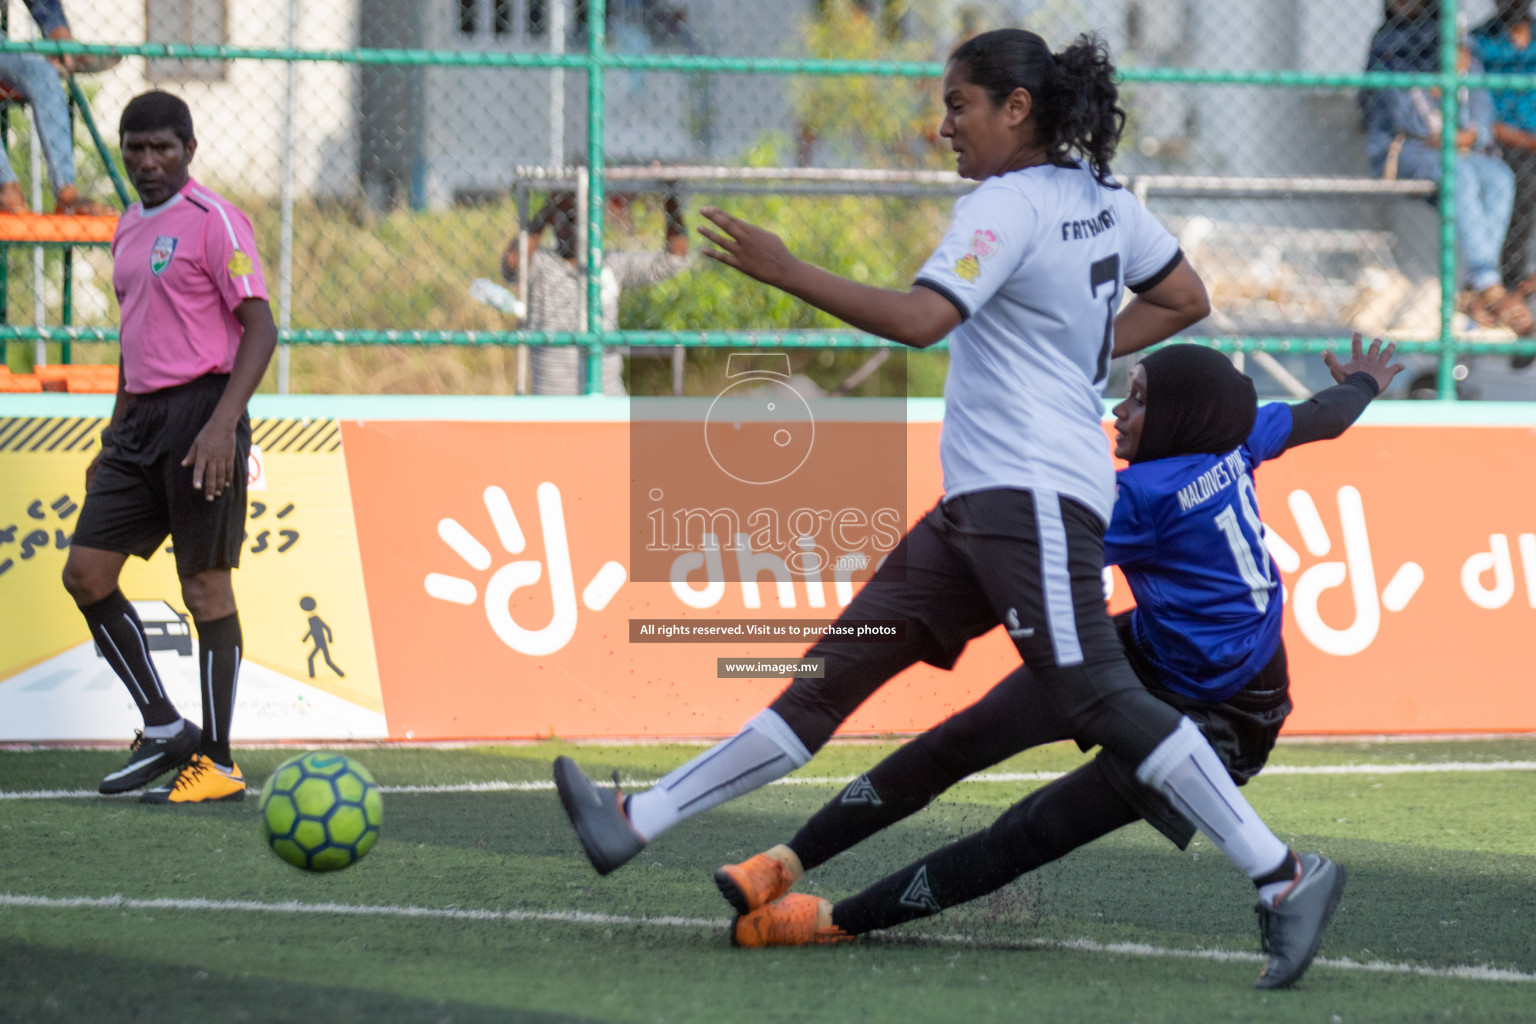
[1026, 283]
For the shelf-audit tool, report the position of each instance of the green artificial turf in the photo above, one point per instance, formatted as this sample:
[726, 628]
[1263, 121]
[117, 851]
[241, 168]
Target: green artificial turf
[1442, 876]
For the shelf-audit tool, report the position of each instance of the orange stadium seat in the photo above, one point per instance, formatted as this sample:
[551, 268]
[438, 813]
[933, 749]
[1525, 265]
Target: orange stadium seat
[13, 383]
[81, 379]
[47, 227]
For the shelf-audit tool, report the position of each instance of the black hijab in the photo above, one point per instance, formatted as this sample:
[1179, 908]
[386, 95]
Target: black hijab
[1197, 402]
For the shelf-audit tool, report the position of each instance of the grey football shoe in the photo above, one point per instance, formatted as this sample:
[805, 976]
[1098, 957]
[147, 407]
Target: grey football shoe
[149, 758]
[597, 814]
[1292, 929]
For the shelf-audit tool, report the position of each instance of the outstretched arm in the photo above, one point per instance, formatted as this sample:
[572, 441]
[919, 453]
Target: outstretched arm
[1330, 412]
[918, 317]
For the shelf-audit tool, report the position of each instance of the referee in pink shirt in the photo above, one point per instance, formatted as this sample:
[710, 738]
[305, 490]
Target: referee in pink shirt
[197, 334]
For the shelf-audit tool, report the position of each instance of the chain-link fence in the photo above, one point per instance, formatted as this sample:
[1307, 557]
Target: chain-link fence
[443, 188]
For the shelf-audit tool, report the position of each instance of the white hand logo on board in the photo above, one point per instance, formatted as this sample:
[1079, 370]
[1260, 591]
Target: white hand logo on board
[1357, 567]
[1497, 560]
[513, 576]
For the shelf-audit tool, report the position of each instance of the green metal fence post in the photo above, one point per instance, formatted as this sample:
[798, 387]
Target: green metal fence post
[118, 185]
[5, 283]
[1445, 378]
[67, 311]
[597, 18]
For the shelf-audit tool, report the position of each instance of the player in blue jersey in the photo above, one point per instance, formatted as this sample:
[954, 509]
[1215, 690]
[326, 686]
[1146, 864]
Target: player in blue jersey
[1204, 637]
[1027, 285]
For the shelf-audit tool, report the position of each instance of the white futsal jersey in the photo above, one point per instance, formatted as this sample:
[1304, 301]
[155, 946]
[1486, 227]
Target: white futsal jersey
[1035, 260]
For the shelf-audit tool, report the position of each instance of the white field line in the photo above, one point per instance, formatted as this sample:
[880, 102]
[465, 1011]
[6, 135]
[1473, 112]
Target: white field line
[544, 785]
[577, 917]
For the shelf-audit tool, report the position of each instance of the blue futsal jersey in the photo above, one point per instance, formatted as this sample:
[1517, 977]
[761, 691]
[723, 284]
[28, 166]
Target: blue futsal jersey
[1186, 532]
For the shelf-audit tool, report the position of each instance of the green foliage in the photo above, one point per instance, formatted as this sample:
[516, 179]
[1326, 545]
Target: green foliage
[875, 121]
[866, 120]
[874, 240]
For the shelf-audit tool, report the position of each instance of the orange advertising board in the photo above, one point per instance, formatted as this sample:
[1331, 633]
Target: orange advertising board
[465, 571]
[495, 561]
[441, 508]
[1409, 556]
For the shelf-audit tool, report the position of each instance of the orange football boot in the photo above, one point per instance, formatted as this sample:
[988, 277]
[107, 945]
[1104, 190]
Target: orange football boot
[798, 919]
[758, 880]
[202, 780]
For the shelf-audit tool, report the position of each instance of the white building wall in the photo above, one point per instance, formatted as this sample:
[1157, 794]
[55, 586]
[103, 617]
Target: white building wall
[481, 122]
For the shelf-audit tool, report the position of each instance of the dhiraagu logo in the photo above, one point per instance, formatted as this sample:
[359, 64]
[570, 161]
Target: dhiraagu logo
[1357, 568]
[511, 576]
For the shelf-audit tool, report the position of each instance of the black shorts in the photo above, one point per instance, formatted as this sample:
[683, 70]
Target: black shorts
[142, 493]
[1242, 730]
[1030, 560]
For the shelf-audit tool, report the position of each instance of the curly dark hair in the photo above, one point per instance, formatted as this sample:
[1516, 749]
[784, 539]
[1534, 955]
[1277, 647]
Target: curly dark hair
[1076, 103]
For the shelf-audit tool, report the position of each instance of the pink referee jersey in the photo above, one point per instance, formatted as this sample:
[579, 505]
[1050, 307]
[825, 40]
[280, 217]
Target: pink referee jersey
[179, 271]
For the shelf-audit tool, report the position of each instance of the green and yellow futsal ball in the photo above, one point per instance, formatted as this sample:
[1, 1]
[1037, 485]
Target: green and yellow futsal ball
[321, 811]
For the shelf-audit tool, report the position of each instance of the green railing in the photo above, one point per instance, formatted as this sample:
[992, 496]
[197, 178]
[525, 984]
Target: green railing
[596, 60]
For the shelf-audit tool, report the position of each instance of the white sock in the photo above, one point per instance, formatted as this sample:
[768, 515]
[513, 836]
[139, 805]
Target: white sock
[165, 732]
[765, 749]
[1187, 772]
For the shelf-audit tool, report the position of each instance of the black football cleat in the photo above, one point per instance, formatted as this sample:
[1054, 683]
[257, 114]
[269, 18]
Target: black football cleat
[148, 759]
[597, 814]
[1292, 929]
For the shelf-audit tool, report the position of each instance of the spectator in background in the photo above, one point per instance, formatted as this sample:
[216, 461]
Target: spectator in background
[49, 16]
[1403, 138]
[1503, 42]
[1408, 39]
[37, 82]
[557, 290]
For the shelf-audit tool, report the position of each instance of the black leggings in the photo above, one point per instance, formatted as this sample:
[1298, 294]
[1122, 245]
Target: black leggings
[1070, 812]
[1051, 822]
[1015, 715]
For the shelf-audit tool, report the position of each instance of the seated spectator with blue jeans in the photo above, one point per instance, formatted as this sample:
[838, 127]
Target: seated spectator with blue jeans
[1503, 43]
[50, 19]
[38, 83]
[1403, 132]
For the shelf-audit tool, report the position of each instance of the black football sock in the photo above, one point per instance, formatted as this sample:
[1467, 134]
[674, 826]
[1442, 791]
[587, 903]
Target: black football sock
[1286, 872]
[119, 634]
[1048, 824]
[219, 643]
[1275, 884]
